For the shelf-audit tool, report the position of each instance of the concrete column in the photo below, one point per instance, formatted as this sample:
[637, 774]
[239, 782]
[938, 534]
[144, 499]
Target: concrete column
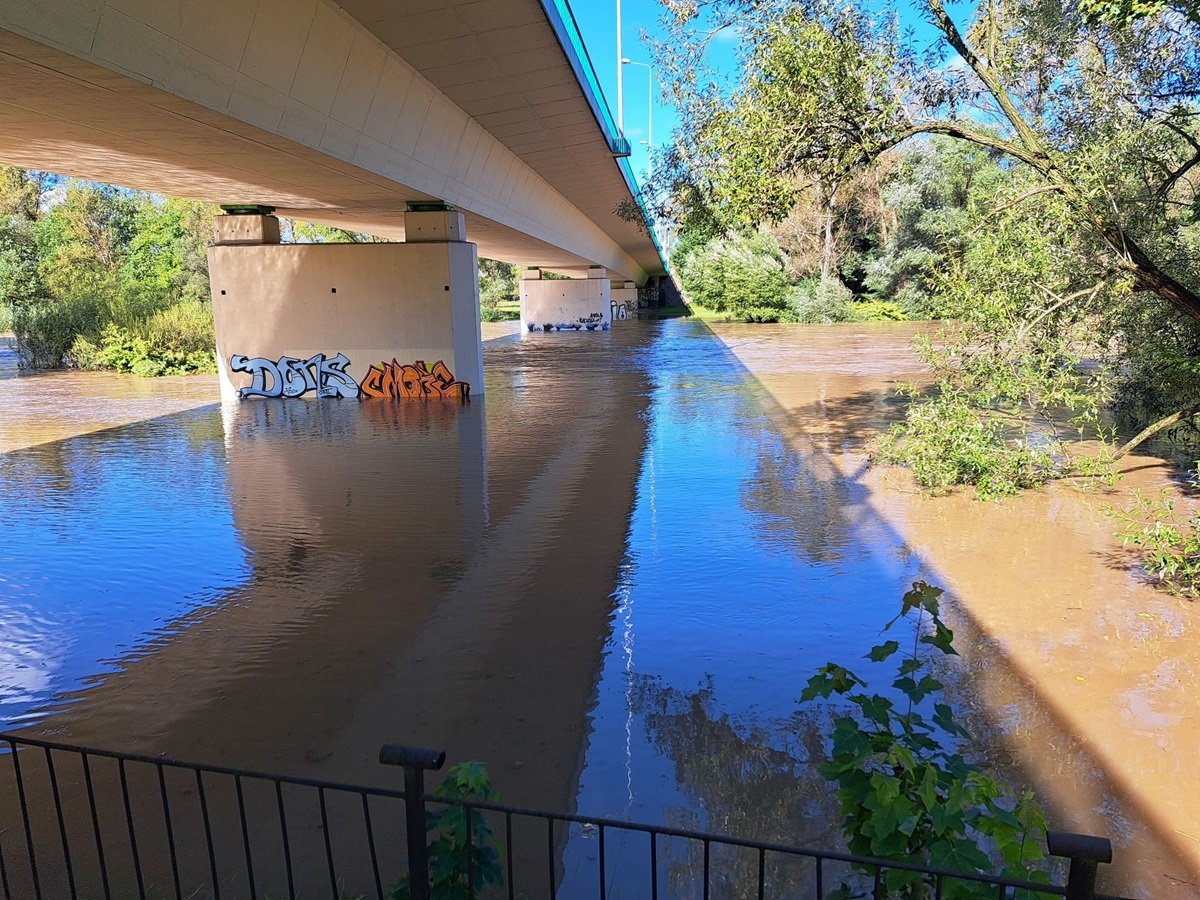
[575, 304]
[391, 320]
[623, 301]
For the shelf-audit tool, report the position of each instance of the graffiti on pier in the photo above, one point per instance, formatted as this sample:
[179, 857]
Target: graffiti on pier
[618, 311]
[591, 322]
[290, 376]
[416, 381]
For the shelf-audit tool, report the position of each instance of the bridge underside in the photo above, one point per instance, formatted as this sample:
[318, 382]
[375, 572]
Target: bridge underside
[68, 115]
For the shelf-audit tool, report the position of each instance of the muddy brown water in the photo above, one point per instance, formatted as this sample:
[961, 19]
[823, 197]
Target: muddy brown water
[608, 578]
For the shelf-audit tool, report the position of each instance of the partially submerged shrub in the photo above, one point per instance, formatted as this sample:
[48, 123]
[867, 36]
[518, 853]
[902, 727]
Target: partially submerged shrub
[821, 302]
[906, 791]
[946, 443]
[767, 314]
[1167, 540]
[876, 311]
[124, 351]
[46, 330]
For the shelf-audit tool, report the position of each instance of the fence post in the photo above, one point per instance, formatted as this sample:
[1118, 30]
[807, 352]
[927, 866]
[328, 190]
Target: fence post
[1085, 852]
[414, 760]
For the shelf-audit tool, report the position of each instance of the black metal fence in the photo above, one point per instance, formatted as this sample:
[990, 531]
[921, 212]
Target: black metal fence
[83, 823]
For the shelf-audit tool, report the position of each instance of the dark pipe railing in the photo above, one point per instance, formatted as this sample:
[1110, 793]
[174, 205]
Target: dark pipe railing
[115, 824]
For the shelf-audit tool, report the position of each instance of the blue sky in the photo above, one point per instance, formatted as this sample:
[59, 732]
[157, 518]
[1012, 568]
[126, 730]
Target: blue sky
[598, 24]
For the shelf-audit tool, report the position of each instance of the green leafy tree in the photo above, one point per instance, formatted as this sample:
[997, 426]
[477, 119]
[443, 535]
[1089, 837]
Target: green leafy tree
[499, 283]
[827, 88]
[930, 195]
[98, 276]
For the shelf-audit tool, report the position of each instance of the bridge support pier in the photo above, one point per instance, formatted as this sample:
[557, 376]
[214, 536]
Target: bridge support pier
[346, 320]
[574, 304]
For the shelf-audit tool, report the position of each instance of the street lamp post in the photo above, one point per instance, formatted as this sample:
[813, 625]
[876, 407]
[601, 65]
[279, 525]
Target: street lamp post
[649, 142]
[620, 78]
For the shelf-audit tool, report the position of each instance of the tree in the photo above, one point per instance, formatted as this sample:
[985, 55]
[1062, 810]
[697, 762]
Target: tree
[828, 88]
[100, 276]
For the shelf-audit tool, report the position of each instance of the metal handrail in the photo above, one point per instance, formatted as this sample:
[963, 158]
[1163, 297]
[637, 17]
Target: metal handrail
[1084, 852]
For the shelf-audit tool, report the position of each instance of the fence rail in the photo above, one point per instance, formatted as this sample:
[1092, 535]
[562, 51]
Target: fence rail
[84, 823]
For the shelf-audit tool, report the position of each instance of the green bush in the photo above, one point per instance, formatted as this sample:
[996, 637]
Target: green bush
[5, 318]
[46, 330]
[1167, 541]
[821, 303]
[876, 311]
[946, 443]
[124, 351]
[186, 327]
[737, 273]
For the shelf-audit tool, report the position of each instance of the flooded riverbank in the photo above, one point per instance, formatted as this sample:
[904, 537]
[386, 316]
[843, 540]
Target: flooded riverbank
[1081, 674]
[608, 577]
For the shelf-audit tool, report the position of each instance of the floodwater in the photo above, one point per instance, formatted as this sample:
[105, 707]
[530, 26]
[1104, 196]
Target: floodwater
[609, 577]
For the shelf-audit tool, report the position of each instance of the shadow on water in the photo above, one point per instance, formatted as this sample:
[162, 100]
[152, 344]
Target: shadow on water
[755, 556]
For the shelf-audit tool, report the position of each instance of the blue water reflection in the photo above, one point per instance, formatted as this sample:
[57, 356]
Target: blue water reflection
[105, 541]
[750, 564]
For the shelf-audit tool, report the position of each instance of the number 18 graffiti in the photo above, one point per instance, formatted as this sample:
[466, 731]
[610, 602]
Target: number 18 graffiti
[293, 377]
[618, 312]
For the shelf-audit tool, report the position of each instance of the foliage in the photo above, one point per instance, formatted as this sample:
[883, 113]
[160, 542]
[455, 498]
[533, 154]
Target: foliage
[930, 194]
[46, 331]
[124, 351]
[459, 834]
[498, 284]
[946, 443]
[97, 276]
[826, 88]
[877, 311]
[186, 326]
[736, 273]
[905, 791]
[1167, 541]
[1046, 192]
[819, 302]
[315, 233]
[1013, 384]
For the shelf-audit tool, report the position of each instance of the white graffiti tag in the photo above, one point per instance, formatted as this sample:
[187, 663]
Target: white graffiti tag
[293, 377]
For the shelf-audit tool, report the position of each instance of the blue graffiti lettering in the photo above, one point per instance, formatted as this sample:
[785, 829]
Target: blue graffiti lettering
[290, 376]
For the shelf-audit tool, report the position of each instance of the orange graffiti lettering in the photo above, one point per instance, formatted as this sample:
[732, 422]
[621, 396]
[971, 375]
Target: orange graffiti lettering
[418, 381]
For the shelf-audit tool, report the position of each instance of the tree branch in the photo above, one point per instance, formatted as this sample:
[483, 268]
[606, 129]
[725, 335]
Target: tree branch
[1150, 430]
[1174, 177]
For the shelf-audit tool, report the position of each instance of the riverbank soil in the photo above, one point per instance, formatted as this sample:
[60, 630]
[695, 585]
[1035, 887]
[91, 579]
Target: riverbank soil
[1081, 676]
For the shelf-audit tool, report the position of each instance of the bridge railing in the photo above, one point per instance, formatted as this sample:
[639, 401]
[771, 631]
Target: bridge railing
[84, 823]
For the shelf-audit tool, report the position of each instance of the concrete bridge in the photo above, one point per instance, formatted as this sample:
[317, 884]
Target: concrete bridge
[423, 121]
